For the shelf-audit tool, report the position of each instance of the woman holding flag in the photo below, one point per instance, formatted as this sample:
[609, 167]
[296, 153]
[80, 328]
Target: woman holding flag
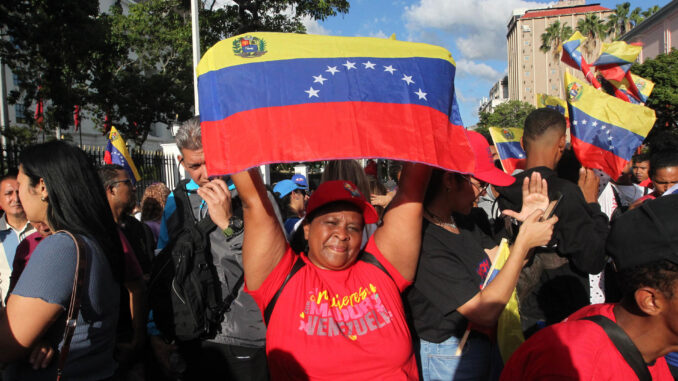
[335, 312]
[456, 257]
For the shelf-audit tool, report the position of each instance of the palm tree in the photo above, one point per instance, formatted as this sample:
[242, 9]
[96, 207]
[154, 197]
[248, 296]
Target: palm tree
[554, 35]
[650, 11]
[636, 16]
[593, 28]
[619, 22]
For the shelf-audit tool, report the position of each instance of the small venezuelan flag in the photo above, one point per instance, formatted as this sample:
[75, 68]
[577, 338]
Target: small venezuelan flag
[616, 59]
[507, 142]
[605, 130]
[116, 153]
[277, 97]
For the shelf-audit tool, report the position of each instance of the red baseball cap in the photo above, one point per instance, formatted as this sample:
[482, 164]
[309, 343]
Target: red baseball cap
[485, 169]
[341, 190]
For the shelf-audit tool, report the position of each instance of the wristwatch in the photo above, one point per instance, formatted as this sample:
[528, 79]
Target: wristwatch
[235, 226]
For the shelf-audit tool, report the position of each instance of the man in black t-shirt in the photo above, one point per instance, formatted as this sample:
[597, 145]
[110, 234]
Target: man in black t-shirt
[555, 283]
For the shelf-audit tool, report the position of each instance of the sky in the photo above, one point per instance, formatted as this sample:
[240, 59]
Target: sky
[474, 31]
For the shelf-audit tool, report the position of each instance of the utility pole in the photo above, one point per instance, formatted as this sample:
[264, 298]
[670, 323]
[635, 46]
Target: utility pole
[4, 116]
[196, 51]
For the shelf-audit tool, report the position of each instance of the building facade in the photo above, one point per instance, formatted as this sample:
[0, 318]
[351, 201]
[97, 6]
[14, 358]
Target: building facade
[531, 71]
[655, 32]
[499, 94]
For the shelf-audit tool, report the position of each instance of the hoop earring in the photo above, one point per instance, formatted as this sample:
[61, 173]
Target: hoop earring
[43, 199]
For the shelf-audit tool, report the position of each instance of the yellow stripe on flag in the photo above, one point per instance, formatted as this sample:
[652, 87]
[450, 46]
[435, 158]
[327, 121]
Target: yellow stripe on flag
[509, 328]
[500, 135]
[277, 47]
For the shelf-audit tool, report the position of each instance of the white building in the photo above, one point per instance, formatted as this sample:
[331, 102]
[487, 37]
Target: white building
[498, 95]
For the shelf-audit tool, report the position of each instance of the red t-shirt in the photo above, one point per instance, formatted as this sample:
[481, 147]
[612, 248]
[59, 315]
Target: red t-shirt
[337, 325]
[575, 350]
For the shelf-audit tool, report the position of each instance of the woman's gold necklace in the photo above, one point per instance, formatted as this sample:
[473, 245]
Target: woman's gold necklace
[439, 221]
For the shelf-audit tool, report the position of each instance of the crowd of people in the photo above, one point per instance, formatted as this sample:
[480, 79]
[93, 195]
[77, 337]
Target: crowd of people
[349, 278]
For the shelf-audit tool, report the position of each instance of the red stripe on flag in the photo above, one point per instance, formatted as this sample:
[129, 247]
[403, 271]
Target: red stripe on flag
[325, 131]
[591, 156]
[511, 164]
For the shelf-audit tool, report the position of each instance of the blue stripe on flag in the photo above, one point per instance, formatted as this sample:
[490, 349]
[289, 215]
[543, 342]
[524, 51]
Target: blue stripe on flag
[603, 135]
[416, 80]
[510, 150]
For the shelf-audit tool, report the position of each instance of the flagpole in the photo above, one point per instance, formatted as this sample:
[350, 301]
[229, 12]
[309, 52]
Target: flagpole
[196, 51]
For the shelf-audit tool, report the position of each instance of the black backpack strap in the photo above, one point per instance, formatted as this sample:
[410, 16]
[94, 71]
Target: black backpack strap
[371, 259]
[228, 300]
[624, 345]
[298, 264]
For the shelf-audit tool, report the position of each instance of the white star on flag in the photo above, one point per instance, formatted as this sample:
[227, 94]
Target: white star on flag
[595, 123]
[421, 94]
[389, 69]
[319, 79]
[368, 65]
[575, 122]
[609, 138]
[312, 92]
[408, 79]
[604, 127]
[332, 70]
[583, 121]
[349, 65]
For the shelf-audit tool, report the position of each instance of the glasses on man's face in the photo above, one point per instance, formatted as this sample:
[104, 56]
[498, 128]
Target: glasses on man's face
[479, 186]
[302, 192]
[127, 181]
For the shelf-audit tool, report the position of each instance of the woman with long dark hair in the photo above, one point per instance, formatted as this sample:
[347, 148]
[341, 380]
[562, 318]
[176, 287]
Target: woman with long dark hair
[59, 186]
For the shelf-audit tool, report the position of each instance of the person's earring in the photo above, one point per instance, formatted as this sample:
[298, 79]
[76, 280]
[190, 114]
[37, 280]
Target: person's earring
[43, 198]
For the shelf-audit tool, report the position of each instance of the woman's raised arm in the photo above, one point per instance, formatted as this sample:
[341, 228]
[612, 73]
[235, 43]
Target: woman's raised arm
[399, 238]
[264, 241]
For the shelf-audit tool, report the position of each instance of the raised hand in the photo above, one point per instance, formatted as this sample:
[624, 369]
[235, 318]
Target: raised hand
[535, 197]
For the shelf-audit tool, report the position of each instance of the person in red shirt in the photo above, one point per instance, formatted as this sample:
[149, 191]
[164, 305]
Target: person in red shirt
[338, 310]
[644, 246]
[663, 173]
[640, 169]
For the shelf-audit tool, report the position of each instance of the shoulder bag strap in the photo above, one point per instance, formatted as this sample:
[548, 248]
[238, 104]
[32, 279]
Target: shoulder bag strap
[298, 264]
[371, 259]
[624, 345]
[81, 266]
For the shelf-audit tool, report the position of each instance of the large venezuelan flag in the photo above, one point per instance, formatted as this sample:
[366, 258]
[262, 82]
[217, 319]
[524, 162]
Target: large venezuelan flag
[116, 153]
[276, 97]
[605, 130]
[507, 142]
[552, 102]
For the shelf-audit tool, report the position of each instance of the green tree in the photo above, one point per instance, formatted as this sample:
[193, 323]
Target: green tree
[49, 45]
[663, 71]
[593, 28]
[553, 37]
[619, 22]
[650, 11]
[508, 114]
[636, 16]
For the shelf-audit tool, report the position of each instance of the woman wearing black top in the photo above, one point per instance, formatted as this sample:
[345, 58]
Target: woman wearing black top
[454, 261]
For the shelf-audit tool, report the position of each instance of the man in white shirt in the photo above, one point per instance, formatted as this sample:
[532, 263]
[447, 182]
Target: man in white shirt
[14, 227]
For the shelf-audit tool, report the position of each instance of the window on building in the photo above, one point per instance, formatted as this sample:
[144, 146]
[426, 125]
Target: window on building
[527, 58]
[20, 112]
[15, 79]
[527, 89]
[527, 43]
[553, 71]
[554, 87]
[527, 73]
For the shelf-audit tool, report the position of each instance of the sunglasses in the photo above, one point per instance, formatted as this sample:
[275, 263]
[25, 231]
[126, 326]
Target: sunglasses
[114, 183]
[303, 192]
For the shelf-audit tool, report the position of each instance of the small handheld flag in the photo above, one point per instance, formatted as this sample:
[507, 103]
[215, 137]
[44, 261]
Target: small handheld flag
[278, 97]
[572, 56]
[507, 142]
[116, 153]
[605, 130]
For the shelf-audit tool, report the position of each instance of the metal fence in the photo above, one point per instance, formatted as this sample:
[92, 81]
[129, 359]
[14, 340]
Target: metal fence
[153, 166]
